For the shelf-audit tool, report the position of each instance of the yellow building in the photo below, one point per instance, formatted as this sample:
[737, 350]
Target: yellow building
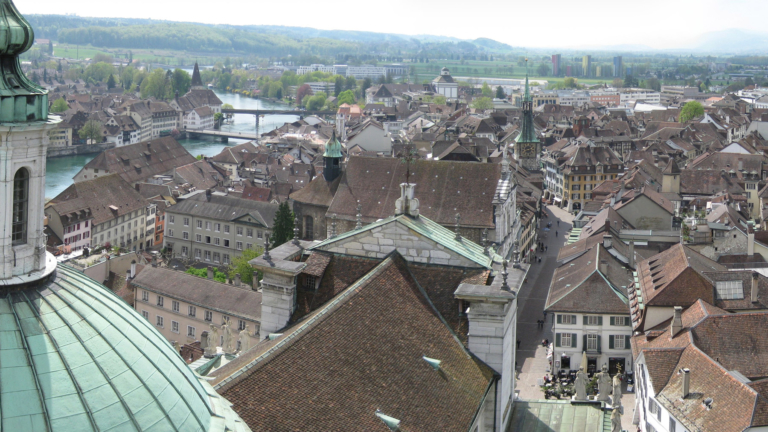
[587, 168]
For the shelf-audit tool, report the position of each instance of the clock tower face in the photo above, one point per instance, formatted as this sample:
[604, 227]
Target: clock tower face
[528, 150]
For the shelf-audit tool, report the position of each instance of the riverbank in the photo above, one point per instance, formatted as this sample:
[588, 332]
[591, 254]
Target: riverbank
[78, 150]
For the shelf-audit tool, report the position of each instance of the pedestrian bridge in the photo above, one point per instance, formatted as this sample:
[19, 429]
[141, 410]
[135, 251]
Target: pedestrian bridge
[224, 135]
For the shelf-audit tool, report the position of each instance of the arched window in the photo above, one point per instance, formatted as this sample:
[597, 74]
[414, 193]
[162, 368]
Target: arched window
[20, 206]
[309, 228]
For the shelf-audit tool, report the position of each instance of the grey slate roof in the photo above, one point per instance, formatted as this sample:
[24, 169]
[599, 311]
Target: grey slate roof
[226, 208]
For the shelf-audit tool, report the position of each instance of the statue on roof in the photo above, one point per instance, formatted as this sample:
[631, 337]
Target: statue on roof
[604, 386]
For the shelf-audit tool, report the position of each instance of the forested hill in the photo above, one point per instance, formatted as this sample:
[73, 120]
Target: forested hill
[201, 38]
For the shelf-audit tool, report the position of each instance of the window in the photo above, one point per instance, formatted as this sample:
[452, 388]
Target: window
[566, 339]
[593, 342]
[672, 424]
[145, 314]
[208, 239]
[653, 407]
[249, 245]
[185, 235]
[174, 326]
[20, 208]
[618, 342]
[224, 319]
[225, 259]
[593, 320]
[175, 306]
[309, 228]
[159, 321]
[207, 255]
[171, 219]
[198, 253]
[249, 232]
[190, 331]
[226, 243]
[184, 251]
[208, 316]
[199, 224]
[259, 234]
[160, 301]
[217, 227]
[198, 238]
[208, 226]
[216, 241]
[239, 246]
[566, 319]
[186, 221]
[216, 257]
[226, 229]
[144, 296]
[309, 282]
[170, 233]
[192, 311]
[620, 321]
[241, 325]
[729, 290]
[240, 231]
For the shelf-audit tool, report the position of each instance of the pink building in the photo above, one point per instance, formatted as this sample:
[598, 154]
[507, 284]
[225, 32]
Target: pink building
[77, 234]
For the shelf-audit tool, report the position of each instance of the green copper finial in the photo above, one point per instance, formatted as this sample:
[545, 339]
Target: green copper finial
[333, 147]
[21, 100]
[527, 96]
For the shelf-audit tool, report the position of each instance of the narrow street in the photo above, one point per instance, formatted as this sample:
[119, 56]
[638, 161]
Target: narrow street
[531, 360]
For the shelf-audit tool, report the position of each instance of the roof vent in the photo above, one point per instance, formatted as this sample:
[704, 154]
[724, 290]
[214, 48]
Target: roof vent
[433, 362]
[273, 336]
[707, 403]
[392, 423]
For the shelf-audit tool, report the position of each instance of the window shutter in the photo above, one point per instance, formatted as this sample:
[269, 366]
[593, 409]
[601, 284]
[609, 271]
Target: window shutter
[599, 320]
[610, 341]
[585, 319]
[573, 319]
[559, 320]
[627, 342]
[584, 339]
[613, 321]
[627, 321]
[557, 338]
[598, 344]
[574, 340]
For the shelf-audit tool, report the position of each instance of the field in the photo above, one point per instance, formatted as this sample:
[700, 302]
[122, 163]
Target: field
[488, 69]
[167, 57]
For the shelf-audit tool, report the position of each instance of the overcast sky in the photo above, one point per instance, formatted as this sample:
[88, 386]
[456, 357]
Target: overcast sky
[552, 23]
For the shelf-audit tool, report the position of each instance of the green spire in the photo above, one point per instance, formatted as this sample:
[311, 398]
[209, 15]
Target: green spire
[527, 131]
[21, 100]
[527, 96]
[333, 147]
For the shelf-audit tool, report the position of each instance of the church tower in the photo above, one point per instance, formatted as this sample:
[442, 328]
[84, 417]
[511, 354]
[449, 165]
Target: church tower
[24, 127]
[332, 159]
[527, 145]
[197, 81]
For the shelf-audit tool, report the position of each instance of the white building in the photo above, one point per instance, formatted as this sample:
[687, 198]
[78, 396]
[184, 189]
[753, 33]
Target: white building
[362, 72]
[445, 85]
[199, 119]
[627, 95]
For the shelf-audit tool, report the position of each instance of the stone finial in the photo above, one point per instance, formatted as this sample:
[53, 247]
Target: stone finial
[458, 235]
[266, 248]
[504, 275]
[359, 215]
[484, 241]
[333, 226]
[296, 231]
[516, 255]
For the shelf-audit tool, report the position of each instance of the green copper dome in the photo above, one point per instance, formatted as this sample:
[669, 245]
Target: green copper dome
[333, 147]
[75, 357]
[21, 100]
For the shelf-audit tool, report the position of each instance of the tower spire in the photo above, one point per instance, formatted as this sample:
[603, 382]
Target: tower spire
[197, 81]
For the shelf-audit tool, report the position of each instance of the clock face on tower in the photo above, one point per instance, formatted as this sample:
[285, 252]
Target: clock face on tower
[528, 150]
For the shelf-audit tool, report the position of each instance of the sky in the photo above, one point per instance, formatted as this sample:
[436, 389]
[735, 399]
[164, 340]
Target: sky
[548, 24]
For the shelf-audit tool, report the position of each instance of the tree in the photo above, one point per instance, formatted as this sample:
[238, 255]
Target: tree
[111, 82]
[59, 105]
[350, 83]
[91, 130]
[617, 83]
[240, 265]
[156, 85]
[218, 276]
[440, 100]
[346, 97]
[486, 90]
[50, 47]
[570, 82]
[181, 81]
[653, 84]
[365, 86]
[543, 69]
[316, 102]
[301, 92]
[630, 81]
[749, 81]
[338, 85]
[482, 104]
[282, 227]
[500, 93]
[690, 111]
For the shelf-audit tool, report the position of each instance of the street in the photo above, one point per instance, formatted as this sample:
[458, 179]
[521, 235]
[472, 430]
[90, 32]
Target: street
[531, 360]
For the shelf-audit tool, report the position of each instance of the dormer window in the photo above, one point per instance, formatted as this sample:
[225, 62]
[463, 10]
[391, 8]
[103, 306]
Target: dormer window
[20, 206]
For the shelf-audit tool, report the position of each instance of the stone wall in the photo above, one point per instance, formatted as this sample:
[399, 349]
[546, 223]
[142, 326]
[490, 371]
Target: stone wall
[79, 150]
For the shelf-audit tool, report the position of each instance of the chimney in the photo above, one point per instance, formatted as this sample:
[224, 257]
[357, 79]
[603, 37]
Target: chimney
[631, 254]
[207, 194]
[677, 321]
[686, 382]
[127, 276]
[133, 269]
[154, 260]
[407, 204]
[607, 241]
[138, 188]
[755, 280]
[210, 273]
[750, 240]
[237, 279]
[603, 266]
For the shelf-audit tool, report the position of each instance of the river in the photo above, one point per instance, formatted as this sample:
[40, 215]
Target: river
[59, 171]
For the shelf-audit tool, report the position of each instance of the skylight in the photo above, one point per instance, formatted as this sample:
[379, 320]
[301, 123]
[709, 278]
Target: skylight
[729, 290]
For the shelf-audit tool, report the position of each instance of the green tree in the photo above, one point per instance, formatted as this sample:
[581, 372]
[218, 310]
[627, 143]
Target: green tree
[227, 106]
[218, 275]
[338, 85]
[653, 84]
[91, 130]
[111, 81]
[500, 93]
[482, 104]
[440, 100]
[691, 110]
[50, 47]
[543, 69]
[350, 83]
[240, 265]
[346, 97]
[282, 227]
[630, 81]
[59, 105]
[316, 102]
[181, 81]
[157, 85]
[486, 90]
[617, 83]
[366, 84]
